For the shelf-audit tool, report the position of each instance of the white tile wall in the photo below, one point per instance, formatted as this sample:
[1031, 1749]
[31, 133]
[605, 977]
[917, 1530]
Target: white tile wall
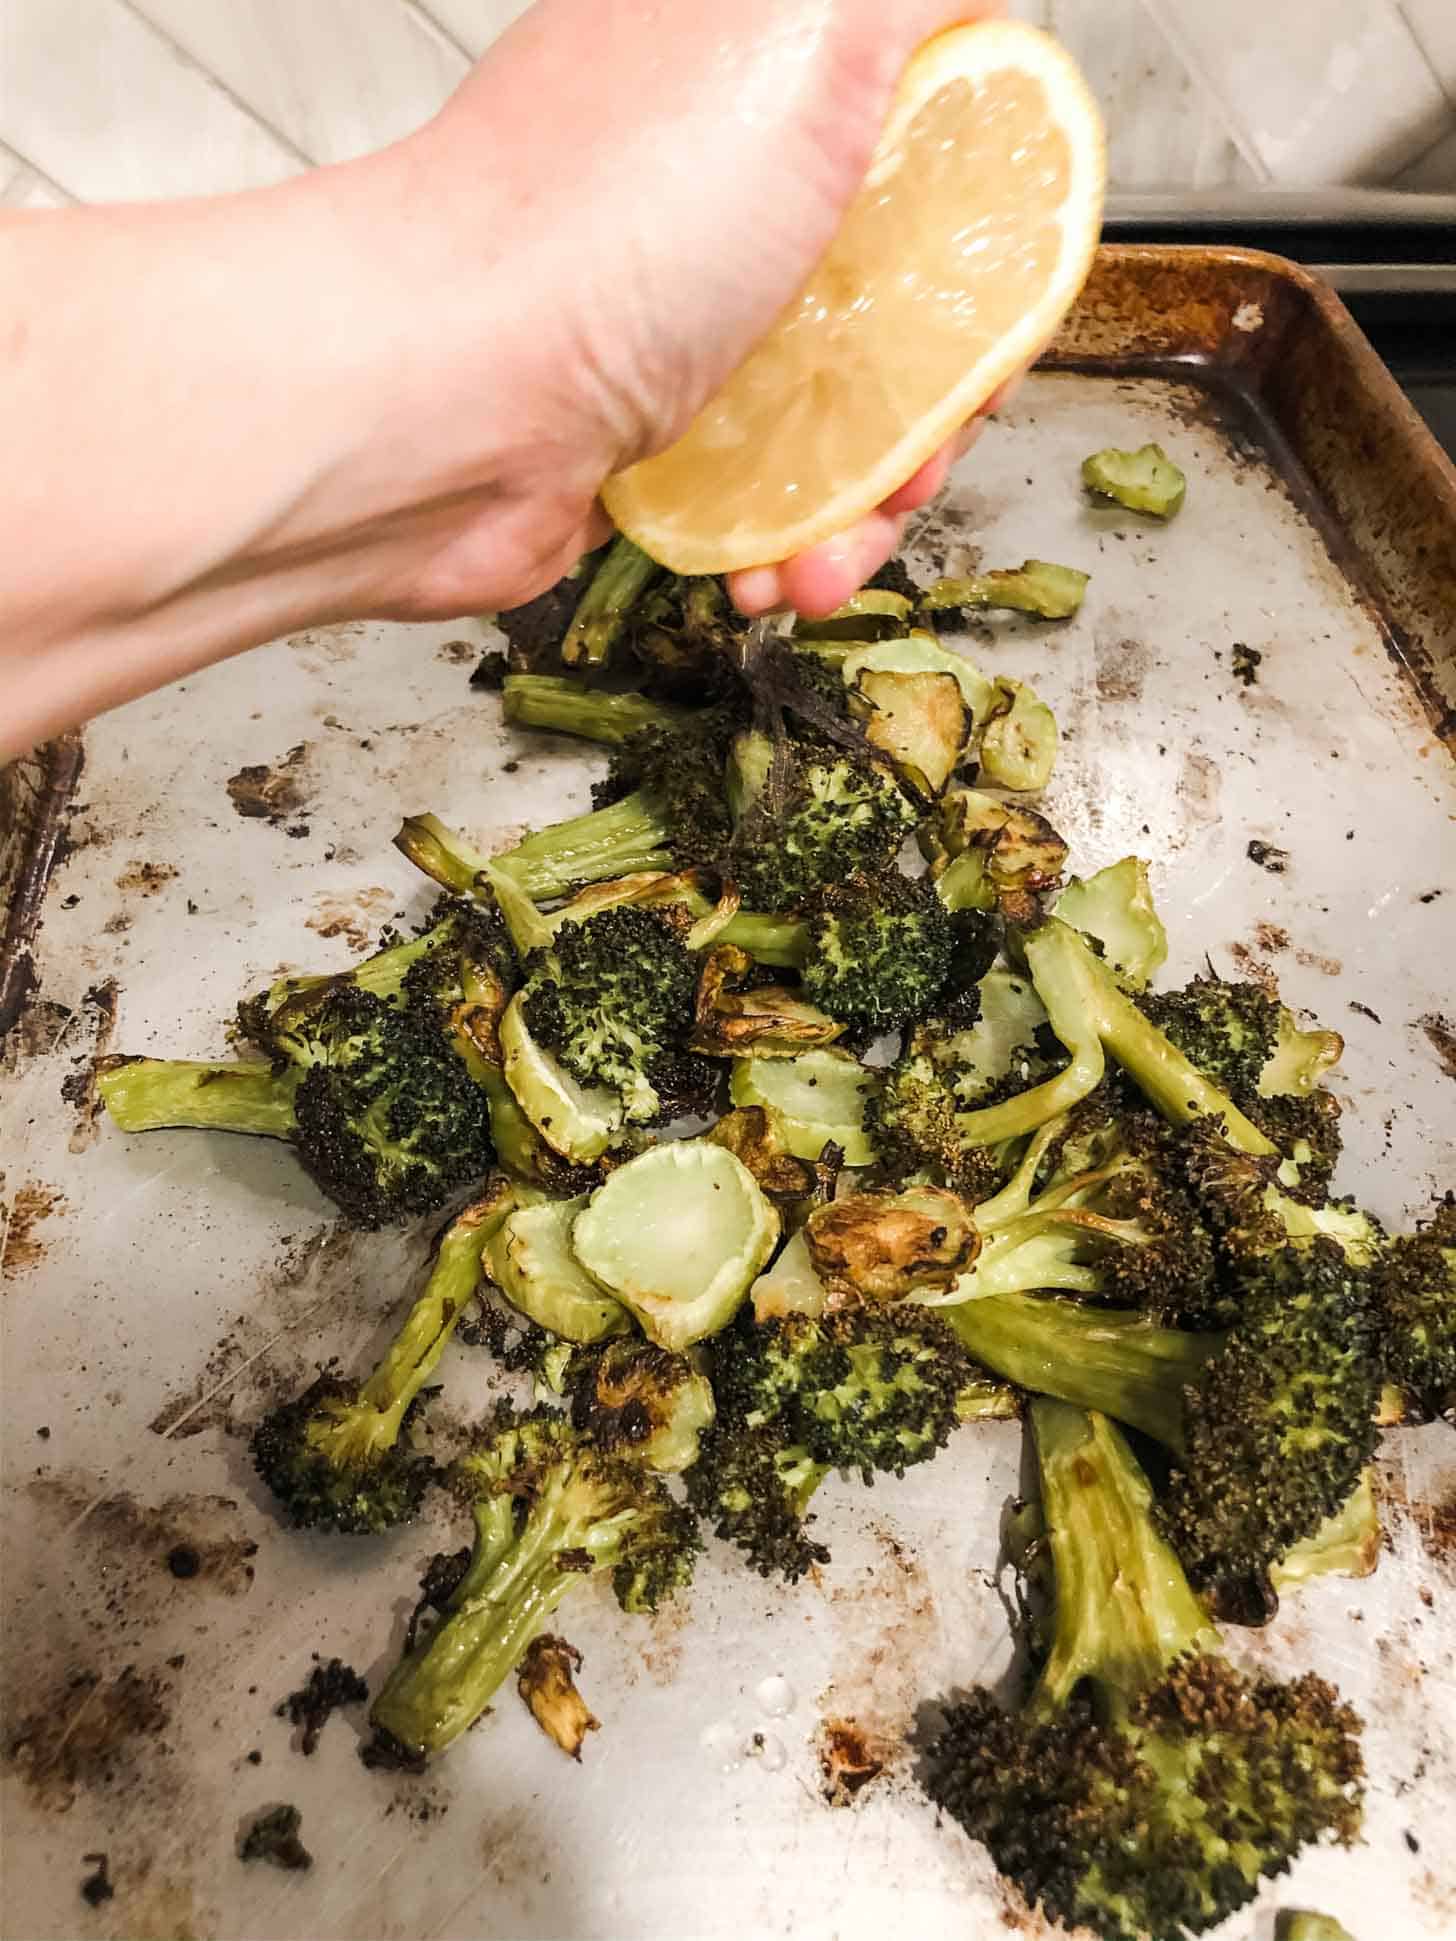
[101, 99]
[335, 78]
[1317, 91]
[95, 99]
[1433, 22]
[22, 188]
[473, 24]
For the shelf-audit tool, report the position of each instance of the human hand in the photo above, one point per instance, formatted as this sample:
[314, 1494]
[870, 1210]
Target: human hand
[709, 166]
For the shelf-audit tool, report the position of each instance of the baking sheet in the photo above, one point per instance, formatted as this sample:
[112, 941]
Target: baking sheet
[160, 1292]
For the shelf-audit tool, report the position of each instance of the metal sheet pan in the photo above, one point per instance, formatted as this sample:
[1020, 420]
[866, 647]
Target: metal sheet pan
[159, 1292]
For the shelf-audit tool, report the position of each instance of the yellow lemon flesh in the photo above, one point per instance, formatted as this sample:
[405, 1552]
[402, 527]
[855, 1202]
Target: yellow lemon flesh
[962, 251]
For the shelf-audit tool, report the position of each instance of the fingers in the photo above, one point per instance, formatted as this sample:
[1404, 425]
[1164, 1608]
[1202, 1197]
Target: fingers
[817, 581]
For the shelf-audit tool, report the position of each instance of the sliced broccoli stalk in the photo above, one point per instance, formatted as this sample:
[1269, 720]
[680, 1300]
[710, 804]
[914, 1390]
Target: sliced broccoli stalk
[520, 1149]
[1147, 1786]
[531, 1262]
[639, 1399]
[333, 1457]
[791, 1285]
[551, 1510]
[1146, 480]
[1300, 1924]
[874, 613]
[815, 1100]
[678, 1235]
[556, 702]
[1115, 909]
[1018, 745]
[1037, 587]
[1298, 1059]
[1064, 986]
[1346, 1544]
[577, 1121]
[148, 1094]
[985, 853]
[625, 574]
[920, 652]
[919, 720]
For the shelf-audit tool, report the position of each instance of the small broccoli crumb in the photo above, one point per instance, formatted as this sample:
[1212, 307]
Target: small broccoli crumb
[97, 1886]
[490, 673]
[273, 1836]
[329, 1685]
[1246, 662]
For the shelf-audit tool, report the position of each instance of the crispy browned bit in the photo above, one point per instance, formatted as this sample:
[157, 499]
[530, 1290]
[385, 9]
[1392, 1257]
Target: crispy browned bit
[273, 1837]
[765, 1017]
[882, 1246]
[846, 1761]
[1276, 861]
[97, 1886]
[491, 672]
[748, 1133]
[327, 1688]
[546, 1680]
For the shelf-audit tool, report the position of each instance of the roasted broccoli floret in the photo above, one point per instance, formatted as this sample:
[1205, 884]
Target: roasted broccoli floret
[874, 951]
[550, 1510]
[1228, 1029]
[613, 1000]
[753, 1487]
[807, 815]
[634, 1396]
[865, 1389]
[1415, 1312]
[374, 1074]
[1146, 480]
[1146, 1787]
[860, 1388]
[1270, 1423]
[339, 1457]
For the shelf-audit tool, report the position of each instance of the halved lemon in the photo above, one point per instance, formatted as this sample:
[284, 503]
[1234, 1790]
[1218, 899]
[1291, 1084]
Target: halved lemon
[962, 251]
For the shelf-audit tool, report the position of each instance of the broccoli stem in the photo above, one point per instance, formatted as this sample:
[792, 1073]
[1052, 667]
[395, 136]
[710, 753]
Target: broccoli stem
[616, 586]
[617, 841]
[146, 1094]
[780, 941]
[1096, 1358]
[1091, 1016]
[1124, 1609]
[1064, 987]
[416, 1350]
[504, 1601]
[592, 848]
[551, 701]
